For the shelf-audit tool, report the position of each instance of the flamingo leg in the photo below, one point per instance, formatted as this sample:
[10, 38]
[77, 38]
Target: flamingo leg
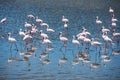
[99, 51]
[11, 46]
[16, 47]
[11, 49]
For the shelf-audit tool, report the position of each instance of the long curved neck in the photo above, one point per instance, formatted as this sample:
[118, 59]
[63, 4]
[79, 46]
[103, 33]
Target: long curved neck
[97, 18]
[73, 38]
[9, 36]
[47, 28]
[60, 35]
[63, 17]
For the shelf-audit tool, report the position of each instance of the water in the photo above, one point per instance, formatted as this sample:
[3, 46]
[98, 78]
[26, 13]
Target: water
[79, 14]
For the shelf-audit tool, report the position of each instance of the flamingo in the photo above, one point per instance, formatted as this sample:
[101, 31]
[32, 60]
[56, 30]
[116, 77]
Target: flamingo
[21, 33]
[115, 34]
[27, 36]
[12, 40]
[27, 24]
[111, 10]
[95, 43]
[50, 30]
[64, 39]
[106, 38]
[46, 41]
[113, 24]
[98, 21]
[74, 41]
[65, 20]
[114, 19]
[44, 24]
[3, 20]
[84, 32]
[43, 35]
[30, 16]
[34, 30]
[87, 41]
[26, 39]
[104, 30]
[39, 20]
[80, 37]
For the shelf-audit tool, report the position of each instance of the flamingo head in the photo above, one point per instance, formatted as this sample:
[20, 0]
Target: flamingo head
[63, 17]
[74, 37]
[9, 34]
[92, 39]
[60, 33]
[84, 29]
[96, 17]
[113, 30]
[41, 31]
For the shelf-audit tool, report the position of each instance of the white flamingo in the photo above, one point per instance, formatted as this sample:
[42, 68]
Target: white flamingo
[87, 40]
[111, 10]
[104, 30]
[50, 30]
[39, 20]
[106, 38]
[80, 37]
[114, 19]
[44, 24]
[21, 33]
[115, 34]
[34, 30]
[64, 39]
[74, 41]
[27, 24]
[27, 36]
[95, 43]
[83, 33]
[30, 16]
[46, 41]
[3, 20]
[98, 21]
[12, 40]
[65, 20]
[43, 35]
[113, 24]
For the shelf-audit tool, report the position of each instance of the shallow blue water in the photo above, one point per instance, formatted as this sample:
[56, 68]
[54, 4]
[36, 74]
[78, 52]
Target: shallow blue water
[79, 15]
